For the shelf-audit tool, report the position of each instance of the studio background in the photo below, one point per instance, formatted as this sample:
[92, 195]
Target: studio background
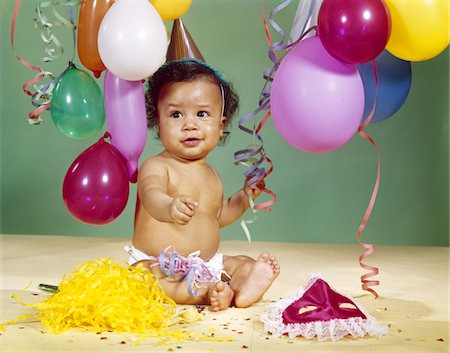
[321, 197]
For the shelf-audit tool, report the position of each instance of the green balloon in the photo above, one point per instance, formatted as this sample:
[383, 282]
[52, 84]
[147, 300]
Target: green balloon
[77, 104]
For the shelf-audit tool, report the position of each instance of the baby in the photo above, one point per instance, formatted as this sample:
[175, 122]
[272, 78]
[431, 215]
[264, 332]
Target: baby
[181, 207]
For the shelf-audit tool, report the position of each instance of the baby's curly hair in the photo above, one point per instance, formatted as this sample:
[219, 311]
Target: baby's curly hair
[187, 70]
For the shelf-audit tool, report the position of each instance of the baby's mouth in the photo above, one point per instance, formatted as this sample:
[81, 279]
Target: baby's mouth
[191, 141]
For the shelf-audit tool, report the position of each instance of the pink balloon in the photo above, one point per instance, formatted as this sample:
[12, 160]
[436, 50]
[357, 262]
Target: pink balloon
[317, 102]
[95, 188]
[126, 118]
[354, 31]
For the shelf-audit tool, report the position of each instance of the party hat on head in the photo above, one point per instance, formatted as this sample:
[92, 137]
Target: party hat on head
[181, 43]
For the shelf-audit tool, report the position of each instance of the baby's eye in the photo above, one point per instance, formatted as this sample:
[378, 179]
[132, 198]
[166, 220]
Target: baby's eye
[202, 114]
[176, 115]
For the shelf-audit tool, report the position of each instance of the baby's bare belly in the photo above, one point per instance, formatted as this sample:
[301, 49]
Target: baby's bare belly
[201, 233]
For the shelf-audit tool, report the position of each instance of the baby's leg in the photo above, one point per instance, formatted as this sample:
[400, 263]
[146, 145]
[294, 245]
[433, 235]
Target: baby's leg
[219, 295]
[250, 279]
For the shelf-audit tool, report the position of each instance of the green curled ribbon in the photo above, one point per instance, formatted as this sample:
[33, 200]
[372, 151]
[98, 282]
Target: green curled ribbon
[54, 49]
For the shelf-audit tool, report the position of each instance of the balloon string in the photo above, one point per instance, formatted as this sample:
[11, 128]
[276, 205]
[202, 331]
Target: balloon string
[255, 155]
[41, 97]
[366, 284]
[34, 117]
[54, 49]
[255, 173]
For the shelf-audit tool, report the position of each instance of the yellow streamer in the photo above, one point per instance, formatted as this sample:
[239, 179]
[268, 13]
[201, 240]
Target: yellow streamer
[102, 296]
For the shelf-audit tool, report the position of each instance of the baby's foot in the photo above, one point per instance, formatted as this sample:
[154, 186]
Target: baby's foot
[220, 296]
[261, 276]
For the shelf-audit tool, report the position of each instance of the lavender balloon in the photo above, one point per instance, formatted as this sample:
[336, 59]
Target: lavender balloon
[317, 101]
[95, 188]
[126, 119]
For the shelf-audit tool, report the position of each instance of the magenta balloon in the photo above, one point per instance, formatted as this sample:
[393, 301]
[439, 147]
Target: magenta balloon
[354, 31]
[317, 102]
[126, 118]
[95, 188]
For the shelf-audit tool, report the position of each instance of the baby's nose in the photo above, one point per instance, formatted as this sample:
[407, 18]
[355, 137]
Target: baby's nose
[190, 123]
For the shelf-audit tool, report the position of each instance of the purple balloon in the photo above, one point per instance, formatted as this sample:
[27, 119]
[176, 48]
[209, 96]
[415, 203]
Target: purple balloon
[126, 118]
[317, 101]
[95, 188]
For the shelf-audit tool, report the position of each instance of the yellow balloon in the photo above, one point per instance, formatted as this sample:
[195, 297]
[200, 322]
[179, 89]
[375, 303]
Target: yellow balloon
[420, 28]
[171, 9]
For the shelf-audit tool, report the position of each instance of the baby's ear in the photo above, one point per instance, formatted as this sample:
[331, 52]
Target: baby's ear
[223, 124]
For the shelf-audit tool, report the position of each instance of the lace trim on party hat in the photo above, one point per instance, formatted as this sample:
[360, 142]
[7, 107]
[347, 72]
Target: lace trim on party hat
[278, 322]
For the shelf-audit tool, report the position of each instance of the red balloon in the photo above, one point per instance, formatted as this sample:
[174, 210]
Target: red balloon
[354, 31]
[95, 188]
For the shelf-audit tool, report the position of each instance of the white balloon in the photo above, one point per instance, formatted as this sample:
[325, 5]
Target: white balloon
[132, 39]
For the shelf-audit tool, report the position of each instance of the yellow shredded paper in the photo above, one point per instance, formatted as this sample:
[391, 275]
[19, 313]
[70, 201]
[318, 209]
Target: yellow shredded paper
[101, 295]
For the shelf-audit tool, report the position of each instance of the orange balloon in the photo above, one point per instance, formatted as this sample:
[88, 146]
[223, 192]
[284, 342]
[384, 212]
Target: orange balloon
[90, 18]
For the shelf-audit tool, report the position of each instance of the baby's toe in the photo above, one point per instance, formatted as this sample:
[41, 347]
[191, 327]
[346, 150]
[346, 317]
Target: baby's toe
[220, 286]
[264, 256]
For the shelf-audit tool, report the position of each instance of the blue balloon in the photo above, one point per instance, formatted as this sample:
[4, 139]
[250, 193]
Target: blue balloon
[394, 82]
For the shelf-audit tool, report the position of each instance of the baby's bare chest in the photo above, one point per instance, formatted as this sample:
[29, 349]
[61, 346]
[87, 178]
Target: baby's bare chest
[204, 185]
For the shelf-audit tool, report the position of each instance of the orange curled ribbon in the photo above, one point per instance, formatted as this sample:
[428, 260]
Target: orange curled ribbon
[366, 284]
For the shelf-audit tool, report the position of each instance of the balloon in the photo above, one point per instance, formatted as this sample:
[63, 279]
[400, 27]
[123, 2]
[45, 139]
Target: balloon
[126, 118]
[171, 9]
[132, 40]
[354, 31]
[95, 188]
[420, 28]
[316, 101]
[394, 82]
[91, 15]
[77, 104]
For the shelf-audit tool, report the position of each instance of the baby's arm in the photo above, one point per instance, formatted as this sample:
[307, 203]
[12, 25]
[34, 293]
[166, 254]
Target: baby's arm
[152, 190]
[235, 206]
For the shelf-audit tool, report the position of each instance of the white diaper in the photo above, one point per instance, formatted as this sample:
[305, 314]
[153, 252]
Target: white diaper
[214, 265]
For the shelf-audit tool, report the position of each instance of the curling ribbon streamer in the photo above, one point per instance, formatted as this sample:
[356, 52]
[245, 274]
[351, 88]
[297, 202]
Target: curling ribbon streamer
[301, 22]
[249, 221]
[370, 248]
[254, 156]
[42, 97]
[45, 27]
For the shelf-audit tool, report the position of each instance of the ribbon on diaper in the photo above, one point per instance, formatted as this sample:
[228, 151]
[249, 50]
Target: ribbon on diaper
[191, 268]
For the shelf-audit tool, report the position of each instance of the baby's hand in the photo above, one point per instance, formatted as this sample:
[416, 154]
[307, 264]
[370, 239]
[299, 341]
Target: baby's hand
[182, 209]
[253, 189]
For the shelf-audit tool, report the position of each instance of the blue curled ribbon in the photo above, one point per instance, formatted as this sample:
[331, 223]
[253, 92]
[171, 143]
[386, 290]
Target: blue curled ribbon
[254, 155]
[190, 280]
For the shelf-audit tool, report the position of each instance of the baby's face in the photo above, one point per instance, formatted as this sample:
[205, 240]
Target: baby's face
[190, 118]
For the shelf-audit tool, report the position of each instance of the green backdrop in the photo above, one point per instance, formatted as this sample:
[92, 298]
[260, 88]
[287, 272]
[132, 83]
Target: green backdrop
[321, 197]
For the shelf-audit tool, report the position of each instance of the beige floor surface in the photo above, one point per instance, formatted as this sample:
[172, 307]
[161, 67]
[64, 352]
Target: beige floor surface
[414, 300]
